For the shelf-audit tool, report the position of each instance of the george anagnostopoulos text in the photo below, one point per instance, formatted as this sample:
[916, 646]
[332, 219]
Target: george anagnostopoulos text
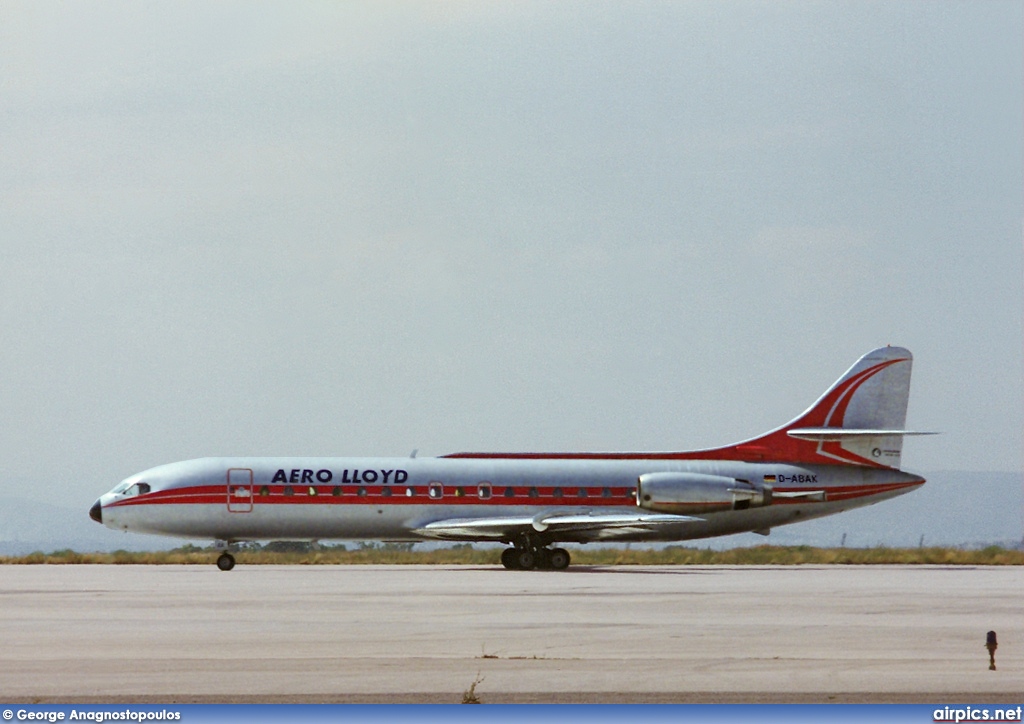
[126, 715]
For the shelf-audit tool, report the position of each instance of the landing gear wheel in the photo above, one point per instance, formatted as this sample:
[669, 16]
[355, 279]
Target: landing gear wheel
[508, 558]
[558, 559]
[525, 559]
[226, 562]
[543, 556]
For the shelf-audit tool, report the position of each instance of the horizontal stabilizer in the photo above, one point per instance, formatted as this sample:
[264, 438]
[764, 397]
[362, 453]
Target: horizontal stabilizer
[840, 433]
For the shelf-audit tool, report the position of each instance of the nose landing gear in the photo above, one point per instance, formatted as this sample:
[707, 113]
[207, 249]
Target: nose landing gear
[526, 559]
[225, 561]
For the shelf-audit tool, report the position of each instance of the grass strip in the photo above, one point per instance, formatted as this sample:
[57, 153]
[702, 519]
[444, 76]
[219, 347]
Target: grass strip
[765, 555]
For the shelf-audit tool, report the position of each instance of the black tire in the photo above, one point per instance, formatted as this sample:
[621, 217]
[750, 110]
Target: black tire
[508, 558]
[558, 559]
[226, 562]
[525, 560]
[543, 560]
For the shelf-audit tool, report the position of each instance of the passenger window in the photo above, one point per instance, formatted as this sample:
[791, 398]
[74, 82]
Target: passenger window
[557, 492]
[582, 493]
[483, 491]
[337, 491]
[361, 491]
[435, 491]
[386, 492]
[288, 490]
[459, 491]
[533, 492]
[409, 492]
[264, 491]
[510, 493]
[312, 491]
[606, 492]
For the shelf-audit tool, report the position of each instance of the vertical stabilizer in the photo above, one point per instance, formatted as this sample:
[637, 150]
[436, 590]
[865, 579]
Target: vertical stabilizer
[859, 420]
[872, 400]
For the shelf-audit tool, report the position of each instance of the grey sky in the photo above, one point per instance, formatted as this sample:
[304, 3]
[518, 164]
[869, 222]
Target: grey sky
[362, 228]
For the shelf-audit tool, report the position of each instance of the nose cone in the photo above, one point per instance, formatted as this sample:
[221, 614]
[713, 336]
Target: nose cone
[96, 512]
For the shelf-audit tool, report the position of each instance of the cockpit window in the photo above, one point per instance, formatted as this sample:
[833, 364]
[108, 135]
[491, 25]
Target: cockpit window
[137, 489]
[120, 489]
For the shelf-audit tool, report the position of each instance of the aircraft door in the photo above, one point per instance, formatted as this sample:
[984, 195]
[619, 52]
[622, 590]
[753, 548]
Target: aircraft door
[240, 490]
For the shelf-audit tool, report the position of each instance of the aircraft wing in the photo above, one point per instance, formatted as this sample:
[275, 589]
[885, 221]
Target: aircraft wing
[562, 525]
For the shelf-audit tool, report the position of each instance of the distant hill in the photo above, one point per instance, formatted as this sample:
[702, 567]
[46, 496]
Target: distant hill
[954, 508]
[28, 525]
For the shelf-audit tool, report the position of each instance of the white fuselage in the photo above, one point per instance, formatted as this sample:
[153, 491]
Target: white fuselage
[233, 499]
[843, 452]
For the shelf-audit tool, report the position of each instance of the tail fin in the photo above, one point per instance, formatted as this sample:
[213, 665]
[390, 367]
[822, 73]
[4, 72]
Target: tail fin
[859, 420]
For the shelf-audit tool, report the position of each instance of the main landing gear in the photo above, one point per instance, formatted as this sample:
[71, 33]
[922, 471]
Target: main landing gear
[526, 559]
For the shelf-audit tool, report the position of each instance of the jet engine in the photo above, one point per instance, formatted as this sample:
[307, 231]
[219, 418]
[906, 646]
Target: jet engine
[695, 493]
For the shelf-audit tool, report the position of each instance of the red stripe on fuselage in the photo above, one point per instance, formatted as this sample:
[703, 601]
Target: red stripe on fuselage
[843, 492]
[349, 495]
[396, 495]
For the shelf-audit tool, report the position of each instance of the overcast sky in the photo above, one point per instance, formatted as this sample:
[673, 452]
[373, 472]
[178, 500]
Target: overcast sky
[362, 228]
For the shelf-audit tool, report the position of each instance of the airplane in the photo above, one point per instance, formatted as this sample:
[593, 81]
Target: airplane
[842, 453]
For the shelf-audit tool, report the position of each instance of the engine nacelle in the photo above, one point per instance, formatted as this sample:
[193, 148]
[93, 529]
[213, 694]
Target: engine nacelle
[695, 493]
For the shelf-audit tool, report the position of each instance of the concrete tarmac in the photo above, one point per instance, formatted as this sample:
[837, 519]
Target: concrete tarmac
[92, 633]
